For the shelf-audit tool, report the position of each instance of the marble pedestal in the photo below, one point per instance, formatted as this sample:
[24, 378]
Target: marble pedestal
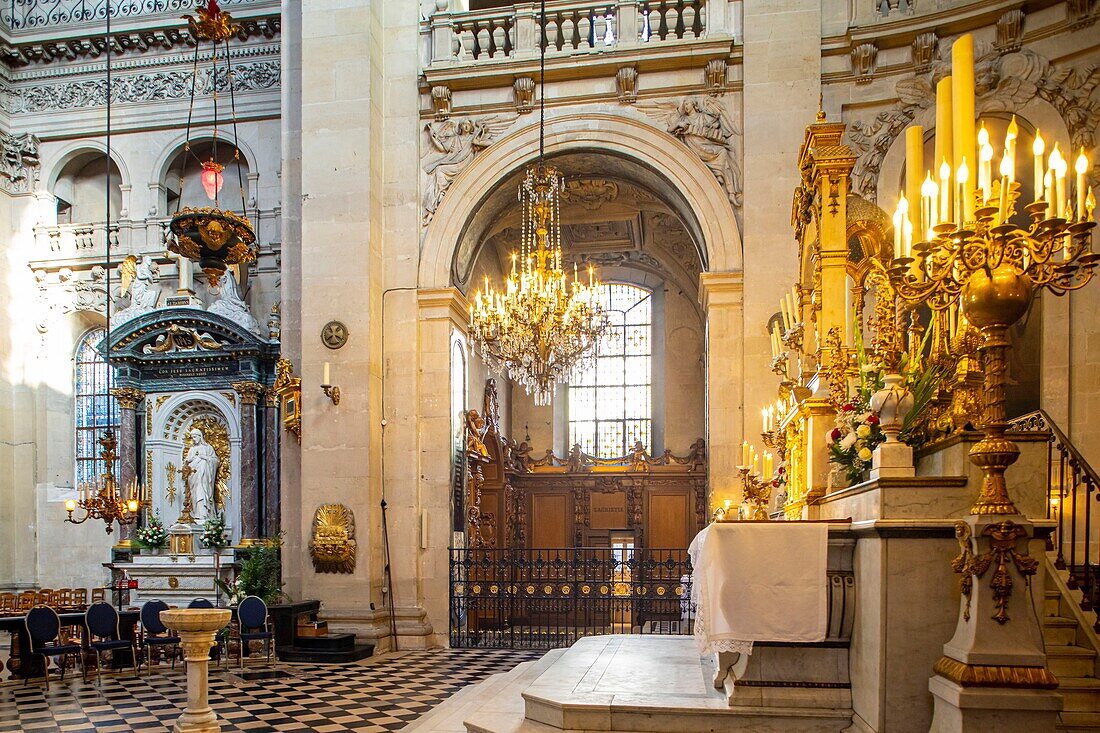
[196, 628]
[892, 459]
[176, 579]
[993, 674]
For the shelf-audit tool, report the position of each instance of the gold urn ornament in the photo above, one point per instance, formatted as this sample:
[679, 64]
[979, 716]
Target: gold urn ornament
[214, 238]
[333, 544]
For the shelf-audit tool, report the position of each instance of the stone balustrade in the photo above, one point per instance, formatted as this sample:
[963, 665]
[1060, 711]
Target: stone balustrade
[572, 26]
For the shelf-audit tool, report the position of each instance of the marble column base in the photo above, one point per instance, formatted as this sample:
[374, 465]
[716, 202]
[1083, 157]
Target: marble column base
[961, 709]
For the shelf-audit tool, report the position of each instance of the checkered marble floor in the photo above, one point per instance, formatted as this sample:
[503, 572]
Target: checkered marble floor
[380, 694]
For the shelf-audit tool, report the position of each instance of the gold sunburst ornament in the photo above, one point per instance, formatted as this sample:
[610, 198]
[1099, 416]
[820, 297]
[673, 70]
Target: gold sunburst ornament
[542, 327]
[214, 237]
[333, 544]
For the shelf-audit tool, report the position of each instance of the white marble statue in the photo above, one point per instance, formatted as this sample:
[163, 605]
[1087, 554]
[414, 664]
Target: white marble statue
[231, 305]
[138, 277]
[203, 476]
[456, 143]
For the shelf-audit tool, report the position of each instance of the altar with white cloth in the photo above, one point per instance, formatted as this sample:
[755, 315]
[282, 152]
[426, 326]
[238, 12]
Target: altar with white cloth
[773, 602]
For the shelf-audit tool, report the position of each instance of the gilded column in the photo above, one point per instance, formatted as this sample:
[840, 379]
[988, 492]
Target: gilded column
[250, 393]
[271, 516]
[128, 399]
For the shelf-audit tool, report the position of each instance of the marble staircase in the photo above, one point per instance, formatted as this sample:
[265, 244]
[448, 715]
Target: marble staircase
[1072, 653]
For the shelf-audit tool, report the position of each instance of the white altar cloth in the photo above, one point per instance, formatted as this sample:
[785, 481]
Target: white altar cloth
[759, 581]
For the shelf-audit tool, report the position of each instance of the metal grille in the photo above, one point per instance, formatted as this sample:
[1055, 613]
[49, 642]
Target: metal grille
[549, 598]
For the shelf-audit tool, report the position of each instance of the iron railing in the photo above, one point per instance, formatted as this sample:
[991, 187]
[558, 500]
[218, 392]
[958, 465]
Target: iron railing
[549, 598]
[1071, 483]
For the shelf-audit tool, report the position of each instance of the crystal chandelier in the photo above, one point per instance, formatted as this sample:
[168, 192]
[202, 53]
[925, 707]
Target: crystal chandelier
[214, 237]
[542, 327]
[101, 499]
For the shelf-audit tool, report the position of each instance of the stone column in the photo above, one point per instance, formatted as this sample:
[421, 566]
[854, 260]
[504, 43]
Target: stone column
[722, 296]
[250, 393]
[128, 400]
[272, 431]
[442, 313]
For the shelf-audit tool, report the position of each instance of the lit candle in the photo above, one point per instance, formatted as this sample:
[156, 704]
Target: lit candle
[763, 419]
[1081, 166]
[1090, 205]
[745, 453]
[945, 191]
[899, 226]
[1010, 149]
[1006, 178]
[1037, 149]
[1060, 185]
[1048, 196]
[985, 164]
[767, 465]
[907, 237]
[325, 379]
[929, 192]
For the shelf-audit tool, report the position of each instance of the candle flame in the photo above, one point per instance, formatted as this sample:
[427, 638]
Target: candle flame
[1038, 146]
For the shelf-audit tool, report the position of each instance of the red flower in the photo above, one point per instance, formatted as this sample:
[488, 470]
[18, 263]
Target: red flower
[872, 420]
[835, 434]
[847, 407]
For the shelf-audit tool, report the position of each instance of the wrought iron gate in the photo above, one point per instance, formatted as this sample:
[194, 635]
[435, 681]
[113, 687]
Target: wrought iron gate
[544, 599]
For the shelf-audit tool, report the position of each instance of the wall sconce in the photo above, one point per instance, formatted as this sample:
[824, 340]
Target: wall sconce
[331, 391]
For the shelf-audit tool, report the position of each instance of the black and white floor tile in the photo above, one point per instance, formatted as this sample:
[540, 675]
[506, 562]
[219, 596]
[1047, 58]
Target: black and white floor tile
[380, 695]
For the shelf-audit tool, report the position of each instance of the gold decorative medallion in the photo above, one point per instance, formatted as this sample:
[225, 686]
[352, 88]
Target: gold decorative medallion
[333, 544]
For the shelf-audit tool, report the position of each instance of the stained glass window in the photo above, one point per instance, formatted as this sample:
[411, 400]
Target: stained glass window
[609, 404]
[94, 408]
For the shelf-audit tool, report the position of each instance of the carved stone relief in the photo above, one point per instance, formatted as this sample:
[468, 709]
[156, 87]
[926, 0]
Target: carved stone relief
[19, 165]
[455, 143]
[144, 87]
[703, 124]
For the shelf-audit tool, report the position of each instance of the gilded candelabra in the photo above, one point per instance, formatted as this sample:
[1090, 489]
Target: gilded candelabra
[757, 493]
[102, 499]
[994, 268]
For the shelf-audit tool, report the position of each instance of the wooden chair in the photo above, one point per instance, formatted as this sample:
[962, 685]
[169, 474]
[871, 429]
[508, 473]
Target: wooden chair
[7, 603]
[80, 597]
[99, 595]
[63, 598]
[27, 600]
[45, 597]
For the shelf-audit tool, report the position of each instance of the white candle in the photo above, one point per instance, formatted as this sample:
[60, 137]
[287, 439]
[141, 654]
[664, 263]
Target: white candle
[1048, 196]
[1060, 186]
[929, 194]
[898, 214]
[1010, 148]
[1037, 149]
[1081, 167]
[985, 164]
[1006, 182]
[745, 453]
[791, 311]
[325, 379]
[962, 176]
[763, 419]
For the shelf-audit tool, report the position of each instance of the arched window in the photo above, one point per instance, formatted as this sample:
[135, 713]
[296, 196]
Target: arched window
[94, 408]
[610, 404]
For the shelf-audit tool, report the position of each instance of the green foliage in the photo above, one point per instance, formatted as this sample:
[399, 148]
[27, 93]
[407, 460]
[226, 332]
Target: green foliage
[259, 575]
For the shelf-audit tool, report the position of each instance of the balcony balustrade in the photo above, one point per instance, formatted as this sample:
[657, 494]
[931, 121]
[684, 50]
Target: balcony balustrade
[572, 26]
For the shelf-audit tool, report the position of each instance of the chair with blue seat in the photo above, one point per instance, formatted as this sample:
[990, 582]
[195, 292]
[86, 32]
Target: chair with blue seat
[253, 624]
[102, 622]
[43, 627]
[219, 638]
[155, 634]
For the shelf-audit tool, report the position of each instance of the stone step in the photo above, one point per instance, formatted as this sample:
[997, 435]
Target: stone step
[1071, 661]
[1059, 630]
[1074, 722]
[1080, 694]
[1052, 601]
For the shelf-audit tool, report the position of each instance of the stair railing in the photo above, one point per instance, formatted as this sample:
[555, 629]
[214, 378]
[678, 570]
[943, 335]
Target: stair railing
[1071, 483]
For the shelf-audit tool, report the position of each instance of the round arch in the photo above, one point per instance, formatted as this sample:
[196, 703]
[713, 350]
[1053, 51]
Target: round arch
[614, 134]
[170, 151]
[75, 149]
